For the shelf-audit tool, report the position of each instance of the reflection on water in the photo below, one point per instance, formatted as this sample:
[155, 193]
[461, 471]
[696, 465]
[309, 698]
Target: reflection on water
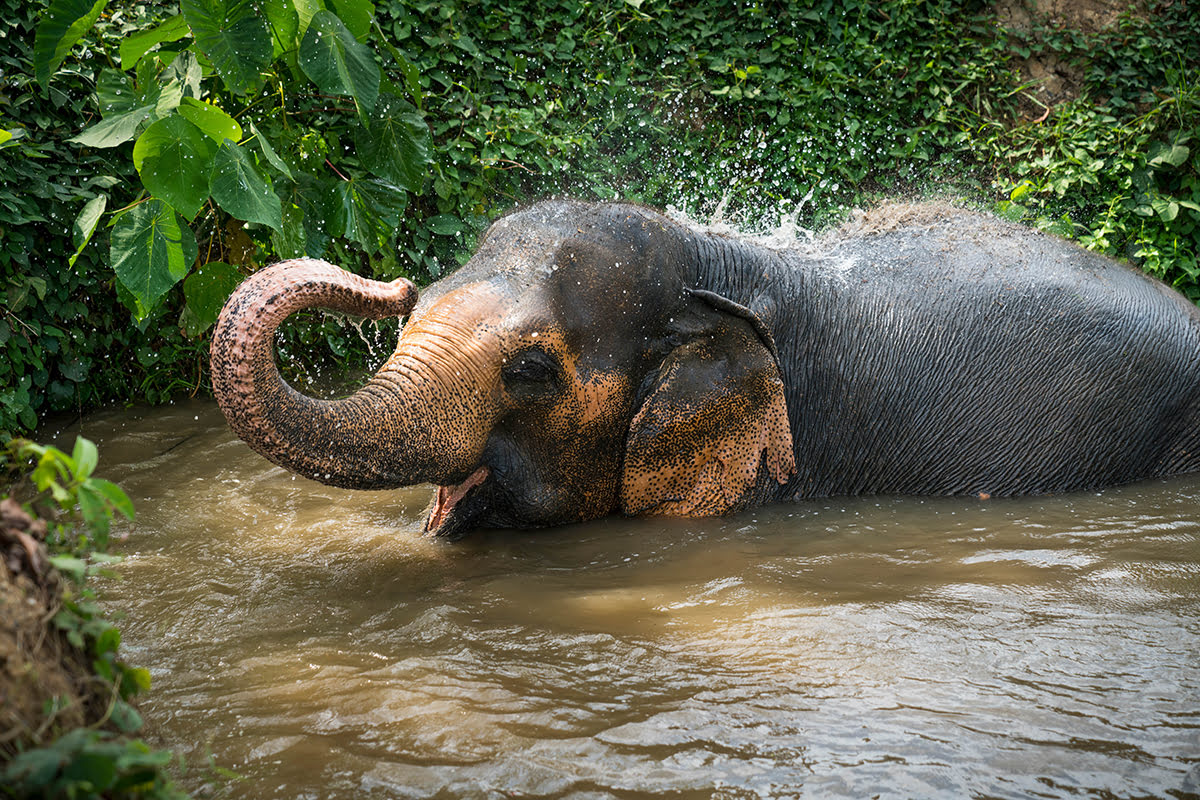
[316, 644]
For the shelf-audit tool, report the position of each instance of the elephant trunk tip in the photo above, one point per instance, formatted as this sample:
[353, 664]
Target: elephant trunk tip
[309, 282]
[396, 298]
[404, 297]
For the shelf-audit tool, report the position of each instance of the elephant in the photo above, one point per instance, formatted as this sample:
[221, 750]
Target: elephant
[601, 358]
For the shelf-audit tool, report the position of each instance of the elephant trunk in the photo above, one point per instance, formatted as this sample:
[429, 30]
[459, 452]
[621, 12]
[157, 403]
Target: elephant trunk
[357, 442]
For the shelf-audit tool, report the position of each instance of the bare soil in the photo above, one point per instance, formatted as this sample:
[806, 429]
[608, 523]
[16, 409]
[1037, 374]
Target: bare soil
[1055, 80]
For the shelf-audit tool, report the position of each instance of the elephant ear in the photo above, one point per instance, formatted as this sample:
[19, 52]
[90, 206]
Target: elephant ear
[713, 421]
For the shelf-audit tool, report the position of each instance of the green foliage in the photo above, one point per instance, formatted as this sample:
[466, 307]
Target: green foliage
[240, 190]
[384, 135]
[85, 762]
[181, 89]
[152, 249]
[335, 61]
[82, 507]
[234, 38]
[63, 24]
[175, 160]
[91, 763]
[206, 290]
[69, 482]
[756, 110]
[1115, 168]
[65, 339]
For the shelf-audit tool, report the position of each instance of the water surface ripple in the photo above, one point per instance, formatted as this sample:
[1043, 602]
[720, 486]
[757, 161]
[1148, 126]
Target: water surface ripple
[312, 641]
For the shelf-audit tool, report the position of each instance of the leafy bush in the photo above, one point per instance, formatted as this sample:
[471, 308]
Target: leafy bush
[231, 133]
[90, 763]
[195, 95]
[1115, 167]
[65, 339]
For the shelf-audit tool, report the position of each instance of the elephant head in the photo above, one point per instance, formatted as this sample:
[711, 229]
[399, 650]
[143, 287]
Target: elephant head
[581, 363]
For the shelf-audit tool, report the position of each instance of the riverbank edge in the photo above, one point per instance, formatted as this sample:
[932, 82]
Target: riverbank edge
[67, 721]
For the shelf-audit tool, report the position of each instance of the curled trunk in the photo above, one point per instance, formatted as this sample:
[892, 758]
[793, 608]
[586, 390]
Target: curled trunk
[320, 439]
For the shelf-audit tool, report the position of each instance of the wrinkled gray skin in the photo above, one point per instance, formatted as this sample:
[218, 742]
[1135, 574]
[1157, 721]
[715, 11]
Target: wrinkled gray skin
[599, 358]
[974, 356]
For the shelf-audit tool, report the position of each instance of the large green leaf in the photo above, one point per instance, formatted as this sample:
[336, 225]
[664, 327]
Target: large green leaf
[338, 63]
[233, 36]
[371, 211]
[269, 152]
[137, 45]
[357, 14]
[151, 250]
[175, 159]
[321, 209]
[305, 10]
[1164, 154]
[186, 69]
[206, 291]
[284, 24]
[290, 241]
[412, 76]
[117, 93]
[169, 100]
[241, 191]
[61, 26]
[127, 105]
[395, 143]
[218, 125]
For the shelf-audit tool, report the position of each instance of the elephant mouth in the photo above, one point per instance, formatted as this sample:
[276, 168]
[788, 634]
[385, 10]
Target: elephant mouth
[455, 508]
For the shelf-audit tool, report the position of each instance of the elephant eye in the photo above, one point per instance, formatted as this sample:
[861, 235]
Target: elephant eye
[531, 367]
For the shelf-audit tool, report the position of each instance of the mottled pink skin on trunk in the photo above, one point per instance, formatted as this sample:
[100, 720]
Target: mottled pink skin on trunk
[297, 432]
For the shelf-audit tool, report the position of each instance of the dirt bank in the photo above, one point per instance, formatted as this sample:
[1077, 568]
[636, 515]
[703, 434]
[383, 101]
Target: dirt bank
[46, 685]
[1055, 80]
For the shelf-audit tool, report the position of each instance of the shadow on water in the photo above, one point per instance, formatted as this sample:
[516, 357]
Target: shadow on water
[313, 641]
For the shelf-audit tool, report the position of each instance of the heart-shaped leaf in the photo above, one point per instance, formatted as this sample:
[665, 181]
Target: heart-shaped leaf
[175, 159]
[151, 250]
[338, 63]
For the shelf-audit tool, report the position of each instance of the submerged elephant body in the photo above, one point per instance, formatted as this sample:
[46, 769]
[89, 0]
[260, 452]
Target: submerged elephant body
[600, 358]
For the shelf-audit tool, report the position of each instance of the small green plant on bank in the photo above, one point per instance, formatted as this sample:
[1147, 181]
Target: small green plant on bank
[99, 760]
[87, 763]
[195, 142]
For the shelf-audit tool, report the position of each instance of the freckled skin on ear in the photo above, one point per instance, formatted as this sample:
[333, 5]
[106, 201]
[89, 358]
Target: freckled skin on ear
[715, 423]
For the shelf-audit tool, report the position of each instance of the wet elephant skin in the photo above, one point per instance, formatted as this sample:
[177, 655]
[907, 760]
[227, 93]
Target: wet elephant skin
[601, 358]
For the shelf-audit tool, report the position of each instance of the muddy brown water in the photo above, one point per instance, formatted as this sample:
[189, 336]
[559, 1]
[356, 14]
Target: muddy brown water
[313, 642]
